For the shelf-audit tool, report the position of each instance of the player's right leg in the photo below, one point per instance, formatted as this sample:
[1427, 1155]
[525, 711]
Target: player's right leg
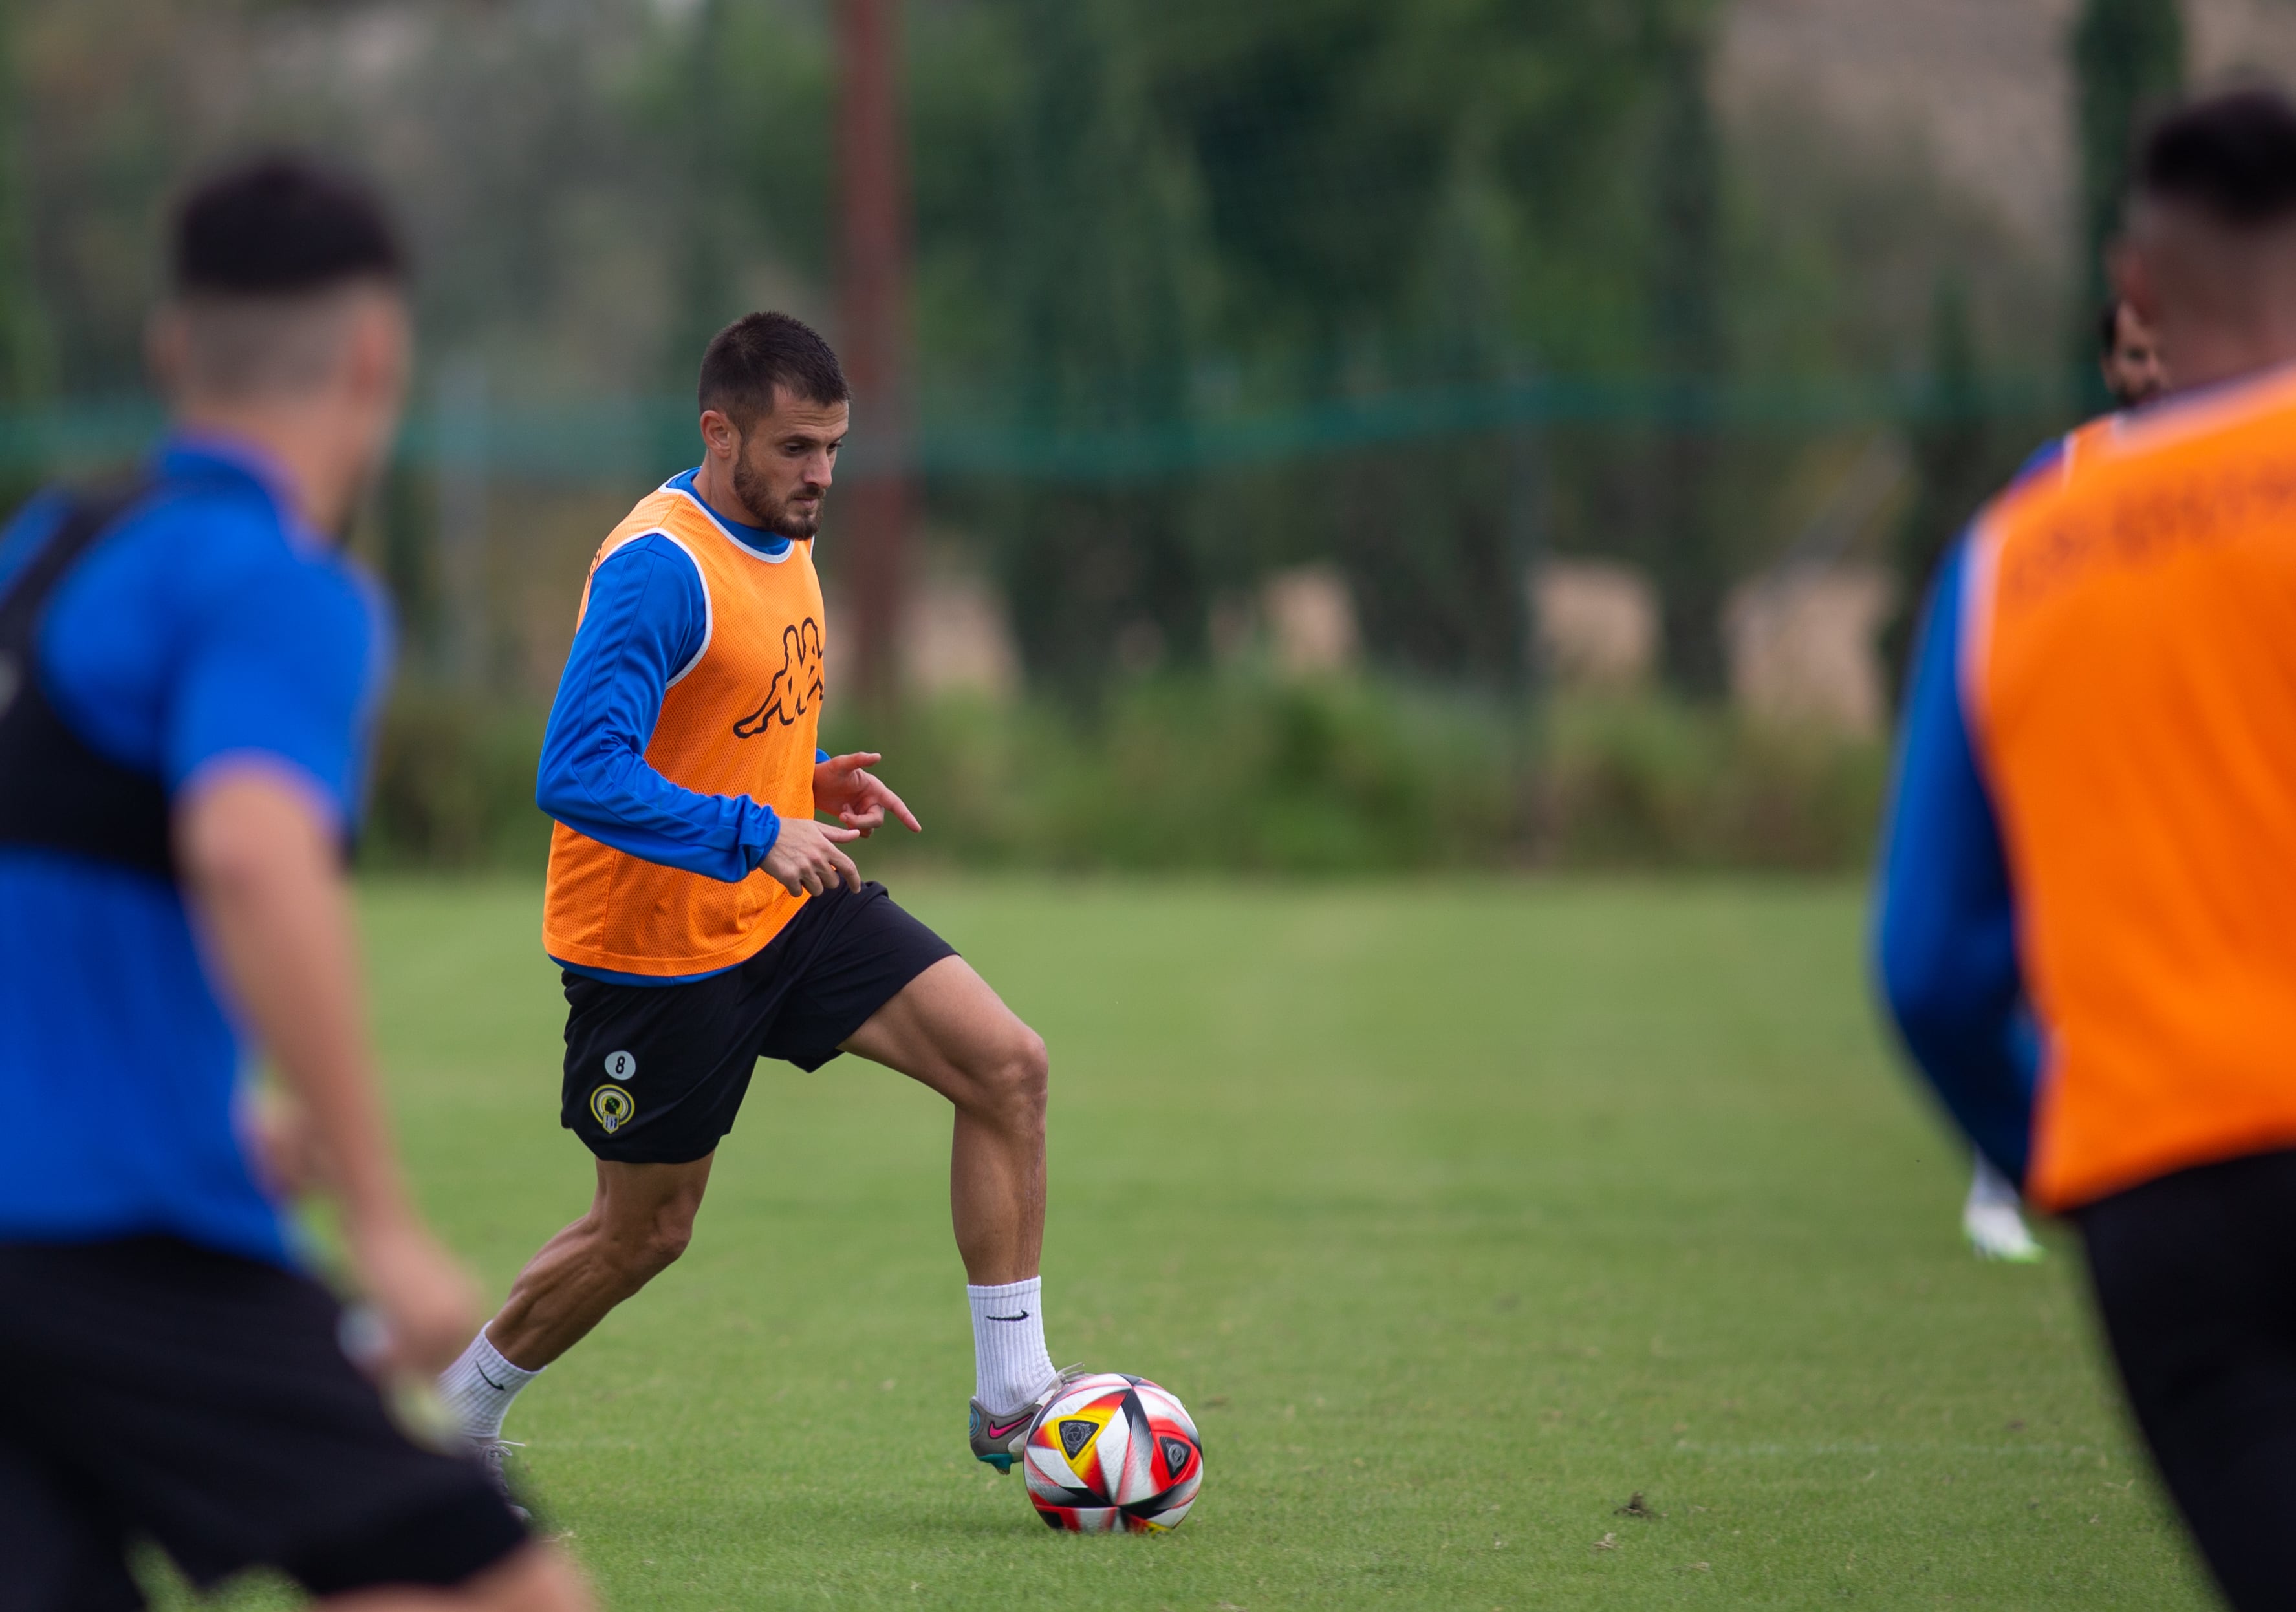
[946, 1029]
[639, 1222]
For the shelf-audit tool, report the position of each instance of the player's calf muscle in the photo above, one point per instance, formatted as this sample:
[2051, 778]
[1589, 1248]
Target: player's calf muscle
[638, 1225]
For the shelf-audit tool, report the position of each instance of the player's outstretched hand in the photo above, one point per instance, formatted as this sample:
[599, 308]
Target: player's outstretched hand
[856, 798]
[427, 1302]
[805, 857]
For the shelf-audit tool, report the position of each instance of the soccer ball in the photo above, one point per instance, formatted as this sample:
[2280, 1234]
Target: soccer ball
[1113, 1452]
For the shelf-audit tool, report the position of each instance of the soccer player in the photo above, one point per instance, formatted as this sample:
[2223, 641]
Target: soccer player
[2083, 933]
[704, 918]
[186, 671]
[2128, 356]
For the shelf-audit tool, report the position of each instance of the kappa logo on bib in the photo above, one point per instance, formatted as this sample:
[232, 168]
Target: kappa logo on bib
[796, 687]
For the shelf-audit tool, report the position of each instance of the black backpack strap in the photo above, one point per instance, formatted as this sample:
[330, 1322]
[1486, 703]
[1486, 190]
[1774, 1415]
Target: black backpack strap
[56, 792]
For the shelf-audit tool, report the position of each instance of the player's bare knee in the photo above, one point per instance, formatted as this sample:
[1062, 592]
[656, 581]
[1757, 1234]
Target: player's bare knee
[642, 1252]
[668, 1238]
[1017, 1081]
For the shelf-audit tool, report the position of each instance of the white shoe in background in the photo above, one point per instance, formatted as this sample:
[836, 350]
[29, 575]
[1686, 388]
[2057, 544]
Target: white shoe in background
[1991, 1221]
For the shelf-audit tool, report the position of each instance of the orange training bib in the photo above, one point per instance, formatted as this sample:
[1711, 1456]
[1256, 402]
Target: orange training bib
[741, 719]
[2129, 675]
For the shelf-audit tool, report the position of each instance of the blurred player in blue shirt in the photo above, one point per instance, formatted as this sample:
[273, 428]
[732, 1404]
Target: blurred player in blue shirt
[188, 672]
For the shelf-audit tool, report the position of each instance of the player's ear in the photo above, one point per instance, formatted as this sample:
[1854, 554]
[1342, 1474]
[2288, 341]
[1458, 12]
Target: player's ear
[2130, 270]
[719, 433]
[381, 344]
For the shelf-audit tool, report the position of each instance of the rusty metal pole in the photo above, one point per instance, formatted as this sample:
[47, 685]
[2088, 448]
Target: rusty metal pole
[874, 265]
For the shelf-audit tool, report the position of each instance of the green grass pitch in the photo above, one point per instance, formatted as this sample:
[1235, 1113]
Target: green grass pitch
[1458, 1214]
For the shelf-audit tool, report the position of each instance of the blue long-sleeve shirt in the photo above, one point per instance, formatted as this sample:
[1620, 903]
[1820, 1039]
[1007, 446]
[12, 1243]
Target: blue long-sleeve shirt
[1946, 928]
[646, 624]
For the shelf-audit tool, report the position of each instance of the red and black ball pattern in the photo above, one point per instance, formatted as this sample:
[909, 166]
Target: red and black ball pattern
[1114, 1453]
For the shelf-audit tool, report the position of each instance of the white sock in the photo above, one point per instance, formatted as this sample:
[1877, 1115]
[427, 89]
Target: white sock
[478, 1386]
[1010, 1365]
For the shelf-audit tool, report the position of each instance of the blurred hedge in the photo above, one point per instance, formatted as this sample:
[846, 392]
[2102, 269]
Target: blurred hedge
[1239, 775]
[454, 786]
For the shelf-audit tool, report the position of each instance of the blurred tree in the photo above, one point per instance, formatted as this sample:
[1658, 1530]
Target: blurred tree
[709, 139]
[1408, 199]
[1158, 240]
[406, 514]
[1686, 291]
[1435, 540]
[743, 106]
[2129, 59]
[1956, 466]
[1097, 229]
[27, 359]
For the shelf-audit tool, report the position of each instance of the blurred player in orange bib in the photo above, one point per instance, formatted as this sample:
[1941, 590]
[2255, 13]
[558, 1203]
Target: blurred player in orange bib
[704, 918]
[2086, 930]
[2128, 358]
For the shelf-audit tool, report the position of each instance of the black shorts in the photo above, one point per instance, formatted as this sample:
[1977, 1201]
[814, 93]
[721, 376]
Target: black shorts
[150, 1389]
[655, 1074]
[2195, 1278]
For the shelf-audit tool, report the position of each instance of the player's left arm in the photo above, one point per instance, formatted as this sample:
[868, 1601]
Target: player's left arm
[1946, 924]
[844, 788]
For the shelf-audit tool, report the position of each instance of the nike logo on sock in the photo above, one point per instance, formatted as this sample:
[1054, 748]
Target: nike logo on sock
[483, 1377]
[1023, 1315]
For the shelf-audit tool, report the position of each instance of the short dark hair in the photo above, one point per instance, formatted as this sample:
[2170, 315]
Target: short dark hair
[758, 352]
[2231, 156]
[280, 226]
[2108, 328]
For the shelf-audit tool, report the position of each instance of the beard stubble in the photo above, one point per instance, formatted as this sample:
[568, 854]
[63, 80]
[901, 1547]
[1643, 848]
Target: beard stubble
[772, 514]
